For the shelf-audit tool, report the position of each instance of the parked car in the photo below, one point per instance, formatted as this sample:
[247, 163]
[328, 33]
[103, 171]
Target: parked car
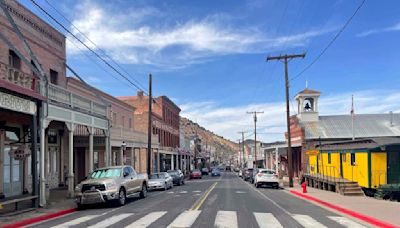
[266, 177]
[236, 169]
[205, 171]
[215, 172]
[228, 168]
[247, 174]
[160, 181]
[253, 175]
[177, 176]
[111, 184]
[240, 173]
[195, 174]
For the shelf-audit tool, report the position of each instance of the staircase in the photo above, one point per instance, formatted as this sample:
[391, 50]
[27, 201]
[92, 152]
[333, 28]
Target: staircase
[350, 189]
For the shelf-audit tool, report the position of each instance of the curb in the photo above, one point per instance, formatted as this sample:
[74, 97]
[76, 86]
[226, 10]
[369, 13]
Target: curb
[365, 218]
[39, 218]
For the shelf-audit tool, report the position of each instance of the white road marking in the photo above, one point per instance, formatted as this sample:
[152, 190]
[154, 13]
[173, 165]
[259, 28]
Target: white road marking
[170, 192]
[177, 195]
[267, 220]
[182, 192]
[197, 194]
[76, 221]
[346, 222]
[185, 219]
[240, 192]
[111, 221]
[147, 220]
[307, 221]
[226, 219]
[197, 191]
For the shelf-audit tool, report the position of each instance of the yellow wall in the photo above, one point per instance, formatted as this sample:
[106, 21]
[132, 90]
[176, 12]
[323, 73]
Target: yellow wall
[378, 171]
[329, 169]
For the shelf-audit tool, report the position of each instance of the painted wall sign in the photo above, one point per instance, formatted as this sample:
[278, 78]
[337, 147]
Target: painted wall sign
[18, 104]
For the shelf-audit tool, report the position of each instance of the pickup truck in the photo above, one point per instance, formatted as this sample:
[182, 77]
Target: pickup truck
[111, 184]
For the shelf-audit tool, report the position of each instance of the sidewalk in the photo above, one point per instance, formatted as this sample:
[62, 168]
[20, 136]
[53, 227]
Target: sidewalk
[382, 210]
[57, 202]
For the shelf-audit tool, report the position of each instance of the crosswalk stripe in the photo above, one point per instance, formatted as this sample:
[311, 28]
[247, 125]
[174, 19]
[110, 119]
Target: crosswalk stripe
[76, 221]
[185, 219]
[147, 220]
[346, 222]
[110, 221]
[307, 221]
[267, 220]
[226, 219]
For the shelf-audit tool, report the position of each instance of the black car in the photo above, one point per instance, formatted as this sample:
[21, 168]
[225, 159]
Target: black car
[177, 177]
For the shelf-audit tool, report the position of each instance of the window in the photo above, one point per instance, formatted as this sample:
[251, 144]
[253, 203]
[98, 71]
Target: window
[126, 172]
[114, 118]
[353, 159]
[95, 159]
[53, 77]
[329, 158]
[123, 121]
[14, 60]
[130, 122]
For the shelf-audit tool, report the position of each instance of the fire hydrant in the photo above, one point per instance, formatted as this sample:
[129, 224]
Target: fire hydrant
[304, 186]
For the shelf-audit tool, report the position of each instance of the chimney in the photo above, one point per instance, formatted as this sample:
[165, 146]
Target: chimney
[140, 93]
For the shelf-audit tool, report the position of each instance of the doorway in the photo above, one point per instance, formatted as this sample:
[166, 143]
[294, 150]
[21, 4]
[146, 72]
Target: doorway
[393, 167]
[79, 164]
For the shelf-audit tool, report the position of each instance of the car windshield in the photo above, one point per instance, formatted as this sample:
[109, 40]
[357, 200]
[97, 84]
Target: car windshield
[105, 173]
[173, 172]
[267, 172]
[157, 176]
[195, 170]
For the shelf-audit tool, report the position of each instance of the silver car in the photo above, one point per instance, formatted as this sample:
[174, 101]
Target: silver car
[111, 184]
[160, 181]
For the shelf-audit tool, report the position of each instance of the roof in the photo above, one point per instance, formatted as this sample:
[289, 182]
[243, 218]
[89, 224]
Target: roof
[365, 126]
[309, 91]
[368, 143]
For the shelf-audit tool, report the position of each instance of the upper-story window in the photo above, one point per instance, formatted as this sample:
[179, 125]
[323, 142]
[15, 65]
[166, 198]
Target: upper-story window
[114, 119]
[123, 121]
[53, 77]
[13, 60]
[130, 122]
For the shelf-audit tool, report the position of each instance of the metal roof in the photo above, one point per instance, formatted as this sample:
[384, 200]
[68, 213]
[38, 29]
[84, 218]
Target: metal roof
[360, 143]
[365, 126]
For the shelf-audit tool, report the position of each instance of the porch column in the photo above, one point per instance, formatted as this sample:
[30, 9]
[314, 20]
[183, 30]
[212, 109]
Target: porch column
[71, 128]
[172, 162]
[107, 154]
[158, 161]
[91, 155]
[132, 158]
[2, 138]
[42, 191]
[121, 156]
[181, 168]
[276, 160]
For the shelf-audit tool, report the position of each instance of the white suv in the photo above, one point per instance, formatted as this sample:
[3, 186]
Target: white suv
[266, 177]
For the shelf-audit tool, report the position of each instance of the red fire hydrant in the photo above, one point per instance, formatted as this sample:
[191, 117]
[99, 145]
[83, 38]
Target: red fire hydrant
[304, 186]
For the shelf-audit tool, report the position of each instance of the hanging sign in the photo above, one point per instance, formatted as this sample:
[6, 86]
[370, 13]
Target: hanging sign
[20, 153]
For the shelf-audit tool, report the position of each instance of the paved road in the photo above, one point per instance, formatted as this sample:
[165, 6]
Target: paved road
[225, 201]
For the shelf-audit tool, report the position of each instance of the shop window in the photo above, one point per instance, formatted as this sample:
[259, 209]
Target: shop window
[53, 77]
[14, 60]
[329, 158]
[95, 159]
[353, 159]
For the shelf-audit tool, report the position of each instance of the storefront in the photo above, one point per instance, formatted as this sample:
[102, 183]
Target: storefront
[17, 129]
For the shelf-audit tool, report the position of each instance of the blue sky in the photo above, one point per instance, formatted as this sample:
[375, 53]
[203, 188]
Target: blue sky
[209, 56]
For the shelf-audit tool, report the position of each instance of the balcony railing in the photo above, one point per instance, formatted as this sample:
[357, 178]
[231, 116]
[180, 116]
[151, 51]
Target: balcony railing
[62, 96]
[19, 78]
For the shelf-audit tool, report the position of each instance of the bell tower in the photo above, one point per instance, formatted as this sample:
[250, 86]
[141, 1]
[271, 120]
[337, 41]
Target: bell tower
[307, 105]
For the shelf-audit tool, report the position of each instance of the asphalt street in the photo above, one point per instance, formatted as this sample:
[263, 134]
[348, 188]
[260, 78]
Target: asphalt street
[225, 201]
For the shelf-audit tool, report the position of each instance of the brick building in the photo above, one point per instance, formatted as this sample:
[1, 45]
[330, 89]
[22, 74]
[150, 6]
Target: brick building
[165, 118]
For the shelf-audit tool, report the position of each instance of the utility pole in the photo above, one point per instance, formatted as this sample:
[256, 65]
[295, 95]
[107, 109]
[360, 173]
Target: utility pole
[150, 128]
[285, 59]
[242, 132]
[239, 157]
[255, 134]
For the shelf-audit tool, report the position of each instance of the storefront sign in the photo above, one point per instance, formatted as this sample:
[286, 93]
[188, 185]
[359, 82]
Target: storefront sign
[20, 153]
[18, 104]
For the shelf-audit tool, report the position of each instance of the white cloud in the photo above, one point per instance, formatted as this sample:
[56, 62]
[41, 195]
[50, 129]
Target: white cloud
[393, 28]
[227, 121]
[186, 43]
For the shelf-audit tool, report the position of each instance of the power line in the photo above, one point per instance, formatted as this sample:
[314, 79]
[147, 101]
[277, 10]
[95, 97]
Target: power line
[84, 44]
[330, 43]
[87, 38]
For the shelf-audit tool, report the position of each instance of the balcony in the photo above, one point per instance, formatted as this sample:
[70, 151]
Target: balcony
[63, 97]
[18, 81]
[125, 134]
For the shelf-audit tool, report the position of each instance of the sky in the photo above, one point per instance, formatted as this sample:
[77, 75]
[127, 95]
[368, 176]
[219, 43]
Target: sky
[209, 56]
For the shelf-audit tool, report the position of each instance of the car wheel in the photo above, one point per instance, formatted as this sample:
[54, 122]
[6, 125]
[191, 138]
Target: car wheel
[183, 182]
[179, 183]
[165, 186]
[143, 193]
[121, 197]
